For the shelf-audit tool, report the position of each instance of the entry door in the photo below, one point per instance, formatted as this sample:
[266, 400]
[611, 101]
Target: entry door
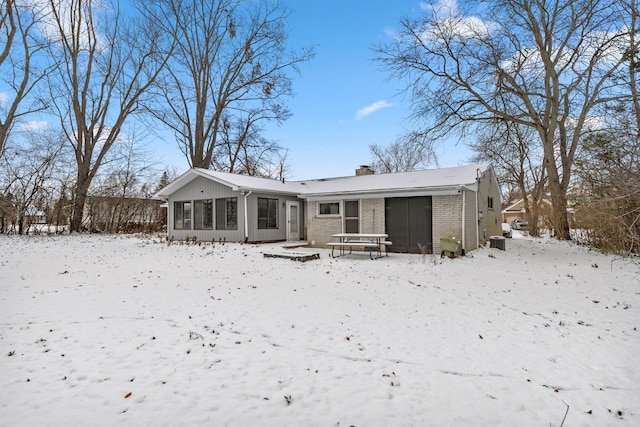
[351, 216]
[293, 221]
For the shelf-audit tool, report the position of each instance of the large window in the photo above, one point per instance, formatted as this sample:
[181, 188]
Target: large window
[227, 214]
[329, 208]
[267, 213]
[203, 214]
[182, 215]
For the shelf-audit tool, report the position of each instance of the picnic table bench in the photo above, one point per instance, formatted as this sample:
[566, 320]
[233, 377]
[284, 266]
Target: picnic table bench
[372, 242]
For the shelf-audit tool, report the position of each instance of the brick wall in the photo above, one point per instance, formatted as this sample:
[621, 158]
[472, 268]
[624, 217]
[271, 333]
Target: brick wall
[446, 212]
[372, 216]
[321, 228]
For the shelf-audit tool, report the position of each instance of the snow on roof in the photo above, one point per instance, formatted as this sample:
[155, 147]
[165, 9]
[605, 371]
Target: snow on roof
[247, 182]
[402, 181]
[232, 180]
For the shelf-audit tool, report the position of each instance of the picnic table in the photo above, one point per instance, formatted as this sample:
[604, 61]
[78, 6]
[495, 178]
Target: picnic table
[372, 242]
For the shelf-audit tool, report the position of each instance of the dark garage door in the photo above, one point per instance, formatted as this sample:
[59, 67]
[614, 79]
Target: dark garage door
[408, 222]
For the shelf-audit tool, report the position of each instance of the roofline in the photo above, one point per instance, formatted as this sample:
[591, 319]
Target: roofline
[192, 173]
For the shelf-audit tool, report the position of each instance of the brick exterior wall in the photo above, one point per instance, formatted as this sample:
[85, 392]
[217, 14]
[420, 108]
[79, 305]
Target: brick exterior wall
[446, 218]
[372, 216]
[321, 228]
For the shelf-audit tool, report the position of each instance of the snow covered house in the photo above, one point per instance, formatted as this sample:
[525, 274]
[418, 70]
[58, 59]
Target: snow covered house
[413, 208]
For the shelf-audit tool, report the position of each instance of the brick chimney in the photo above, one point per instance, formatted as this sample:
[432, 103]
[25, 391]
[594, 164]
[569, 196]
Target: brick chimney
[364, 170]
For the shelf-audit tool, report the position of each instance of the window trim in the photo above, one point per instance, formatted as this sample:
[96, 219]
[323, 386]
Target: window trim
[182, 203]
[225, 218]
[490, 202]
[199, 226]
[329, 215]
[270, 201]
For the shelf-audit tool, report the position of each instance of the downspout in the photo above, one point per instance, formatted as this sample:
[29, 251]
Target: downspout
[464, 206]
[246, 216]
[477, 221]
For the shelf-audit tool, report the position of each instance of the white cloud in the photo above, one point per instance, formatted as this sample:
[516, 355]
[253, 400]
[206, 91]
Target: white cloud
[450, 22]
[370, 109]
[34, 125]
[4, 99]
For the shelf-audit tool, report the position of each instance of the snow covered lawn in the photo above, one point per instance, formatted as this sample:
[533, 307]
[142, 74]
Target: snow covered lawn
[125, 330]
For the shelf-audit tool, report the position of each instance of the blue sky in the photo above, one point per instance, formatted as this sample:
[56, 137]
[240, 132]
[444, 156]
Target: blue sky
[335, 118]
[343, 101]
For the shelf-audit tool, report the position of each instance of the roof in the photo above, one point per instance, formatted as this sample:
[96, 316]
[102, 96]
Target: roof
[433, 179]
[430, 179]
[232, 180]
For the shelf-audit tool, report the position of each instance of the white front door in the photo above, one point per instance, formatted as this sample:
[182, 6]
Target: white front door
[293, 221]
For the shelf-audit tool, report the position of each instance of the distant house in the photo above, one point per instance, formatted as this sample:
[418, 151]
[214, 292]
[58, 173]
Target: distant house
[116, 214]
[544, 208]
[514, 211]
[35, 217]
[413, 208]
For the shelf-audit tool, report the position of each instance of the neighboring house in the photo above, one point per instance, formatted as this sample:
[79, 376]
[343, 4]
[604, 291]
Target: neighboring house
[37, 217]
[114, 214]
[413, 208]
[516, 210]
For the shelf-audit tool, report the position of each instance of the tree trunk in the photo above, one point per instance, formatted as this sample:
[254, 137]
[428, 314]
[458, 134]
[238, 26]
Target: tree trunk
[559, 217]
[82, 188]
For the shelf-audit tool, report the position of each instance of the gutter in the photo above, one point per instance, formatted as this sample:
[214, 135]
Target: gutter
[381, 192]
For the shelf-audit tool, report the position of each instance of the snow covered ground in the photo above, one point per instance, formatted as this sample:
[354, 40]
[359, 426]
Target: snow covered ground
[125, 330]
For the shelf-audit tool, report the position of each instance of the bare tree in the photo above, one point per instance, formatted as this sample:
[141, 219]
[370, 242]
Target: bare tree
[20, 70]
[107, 66]
[407, 153]
[27, 171]
[119, 197]
[608, 165]
[228, 73]
[608, 168]
[551, 62]
[244, 150]
[517, 160]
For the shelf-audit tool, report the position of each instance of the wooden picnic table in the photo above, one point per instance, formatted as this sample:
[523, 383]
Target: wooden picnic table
[372, 242]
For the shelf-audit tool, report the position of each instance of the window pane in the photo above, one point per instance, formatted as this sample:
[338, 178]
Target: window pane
[351, 225]
[262, 213]
[197, 214]
[182, 215]
[273, 213]
[177, 215]
[232, 213]
[187, 215]
[351, 209]
[220, 214]
[332, 208]
[267, 213]
[207, 219]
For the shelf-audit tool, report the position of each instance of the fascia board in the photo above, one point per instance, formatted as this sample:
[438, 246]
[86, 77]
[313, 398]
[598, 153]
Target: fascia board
[416, 192]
